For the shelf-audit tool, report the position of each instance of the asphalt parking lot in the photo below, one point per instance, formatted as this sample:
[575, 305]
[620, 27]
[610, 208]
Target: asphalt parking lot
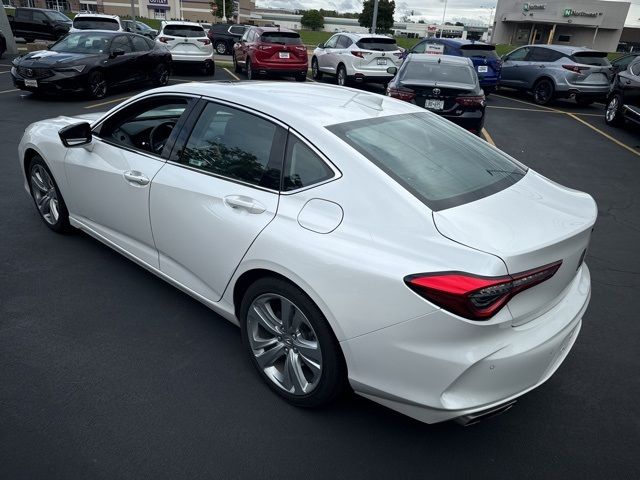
[108, 372]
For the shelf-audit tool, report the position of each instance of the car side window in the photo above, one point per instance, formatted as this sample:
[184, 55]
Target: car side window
[234, 144]
[539, 54]
[623, 62]
[419, 48]
[23, 15]
[139, 43]
[146, 125]
[39, 17]
[121, 42]
[236, 30]
[302, 166]
[245, 37]
[343, 42]
[331, 43]
[449, 50]
[518, 55]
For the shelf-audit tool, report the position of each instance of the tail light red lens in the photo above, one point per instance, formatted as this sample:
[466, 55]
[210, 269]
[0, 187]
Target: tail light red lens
[475, 297]
[164, 39]
[477, 101]
[206, 41]
[357, 54]
[575, 68]
[402, 93]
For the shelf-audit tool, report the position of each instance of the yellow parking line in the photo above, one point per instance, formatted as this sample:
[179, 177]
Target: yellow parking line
[7, 91]
[488, 137]
[107, 102]
[6, 71]
[231, 73]
[527, 103]
[520, 109]
[604, 134]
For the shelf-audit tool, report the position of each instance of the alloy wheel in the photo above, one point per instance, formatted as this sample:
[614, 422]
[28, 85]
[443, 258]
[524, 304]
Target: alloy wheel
[542, 92]
[284, 344]
[98, 85]
[163, 75]
[612, 109]
[45, 195]
[342, 77]
[221, 48]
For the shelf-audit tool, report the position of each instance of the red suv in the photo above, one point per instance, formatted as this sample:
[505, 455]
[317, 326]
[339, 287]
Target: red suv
[271, 50]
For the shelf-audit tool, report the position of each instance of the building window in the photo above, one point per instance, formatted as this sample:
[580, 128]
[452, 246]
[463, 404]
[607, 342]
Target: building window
[59, 5]
[89, 7]
[7, 3]
[564, 38]
[159, 14]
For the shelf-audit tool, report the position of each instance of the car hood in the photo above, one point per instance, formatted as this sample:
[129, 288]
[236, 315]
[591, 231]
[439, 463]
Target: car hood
[48, 59]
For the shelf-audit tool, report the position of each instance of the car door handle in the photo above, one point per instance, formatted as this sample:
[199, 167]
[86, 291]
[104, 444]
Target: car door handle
[244, 203]
[136, 177]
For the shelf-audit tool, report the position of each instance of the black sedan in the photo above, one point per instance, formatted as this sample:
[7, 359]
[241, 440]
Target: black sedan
[92, 62]
[442, 84]
[623, 102]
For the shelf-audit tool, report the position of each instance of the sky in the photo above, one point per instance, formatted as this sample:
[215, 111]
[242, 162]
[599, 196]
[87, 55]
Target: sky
[466, 11]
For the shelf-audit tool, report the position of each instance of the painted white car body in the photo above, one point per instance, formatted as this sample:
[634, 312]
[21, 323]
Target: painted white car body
[348, 243]
[111, 19]
[186, 49]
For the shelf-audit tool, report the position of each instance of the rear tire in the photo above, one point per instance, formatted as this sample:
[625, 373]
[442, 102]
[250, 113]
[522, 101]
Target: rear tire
[305, 336]
[343, 80]
[613, 112]
[160, 75]
[47, 197]
[315, 70]
[221, 48]
[543, 92]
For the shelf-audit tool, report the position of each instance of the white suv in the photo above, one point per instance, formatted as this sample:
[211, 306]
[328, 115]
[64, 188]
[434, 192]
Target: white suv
[188, 43]
[356, 57]
[96, 21]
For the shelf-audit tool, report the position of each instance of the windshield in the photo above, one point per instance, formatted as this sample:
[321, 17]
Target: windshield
[591, 58]
[58, 17]
[86, 23]
[143, 26]
[191, 31]
[431, 158]
[90, 43]
[284, 38]
[437, 72]
[377, 44]
[486, 51]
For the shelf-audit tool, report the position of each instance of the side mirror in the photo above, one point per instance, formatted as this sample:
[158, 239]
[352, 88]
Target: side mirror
[321, 45]
[392, 70]
[116, 53]
[75, 135]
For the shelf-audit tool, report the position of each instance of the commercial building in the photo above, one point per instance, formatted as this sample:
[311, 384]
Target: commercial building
[589, 23]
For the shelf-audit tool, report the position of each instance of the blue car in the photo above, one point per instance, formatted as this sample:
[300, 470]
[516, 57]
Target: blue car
[485, 60]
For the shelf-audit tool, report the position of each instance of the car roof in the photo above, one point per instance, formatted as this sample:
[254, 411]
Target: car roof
[274, 29]
[181, 22]
[458, 42]
[98, 15]
[566, 49]
[443, 59]
[358, 36]
[300, 105]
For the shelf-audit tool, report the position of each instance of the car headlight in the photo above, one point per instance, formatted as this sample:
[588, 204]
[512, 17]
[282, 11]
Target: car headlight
[75, 68]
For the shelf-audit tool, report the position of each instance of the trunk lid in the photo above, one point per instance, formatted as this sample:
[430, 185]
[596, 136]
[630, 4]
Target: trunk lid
[594, 67]
[447, 93]
[533, 223]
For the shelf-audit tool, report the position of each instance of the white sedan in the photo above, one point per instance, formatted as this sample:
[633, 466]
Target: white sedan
[355, 239]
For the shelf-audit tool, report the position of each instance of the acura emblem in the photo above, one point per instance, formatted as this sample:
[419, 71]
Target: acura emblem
[383, 54]
[29, 72]
[436, 91]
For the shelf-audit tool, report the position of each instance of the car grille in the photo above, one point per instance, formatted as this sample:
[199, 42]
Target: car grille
[37, 73]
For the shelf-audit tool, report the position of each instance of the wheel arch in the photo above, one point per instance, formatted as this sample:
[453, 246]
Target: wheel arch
[545, 77]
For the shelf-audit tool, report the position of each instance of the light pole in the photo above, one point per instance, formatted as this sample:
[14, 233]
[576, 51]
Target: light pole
[444, 13]
[224, 11]
[133, 11]
[491, 10]
[374, 21]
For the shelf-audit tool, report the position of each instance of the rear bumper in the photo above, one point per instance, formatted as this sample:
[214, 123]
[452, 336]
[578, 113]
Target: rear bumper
[200, 58]
[438, 367]
[289, 68]
[472, 121]
[595, 90]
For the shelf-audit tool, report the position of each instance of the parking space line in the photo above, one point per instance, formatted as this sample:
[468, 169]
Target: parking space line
[7, 91]
[107, 102]
[488, 137]
[537, 110]
[231, 73]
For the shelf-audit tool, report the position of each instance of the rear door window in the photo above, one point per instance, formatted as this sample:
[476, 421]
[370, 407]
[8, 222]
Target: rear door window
[121, 42]
[544, 55]
[186, 31]
[429, 157]
[302, 166]
[283, 38]
[88, 23]
[377, 44]
[344, 42]
[139, 44]
[236, 30]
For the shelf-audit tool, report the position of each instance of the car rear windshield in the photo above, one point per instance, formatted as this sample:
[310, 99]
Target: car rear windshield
[591, 58]
[431, 158]
[437, 72]
[96, 24]
[284, 38]
[377, 44]
[191, 31]
[486, 51]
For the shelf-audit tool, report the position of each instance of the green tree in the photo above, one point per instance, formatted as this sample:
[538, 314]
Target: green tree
[217, 10]
[312, 19]
[384, 22]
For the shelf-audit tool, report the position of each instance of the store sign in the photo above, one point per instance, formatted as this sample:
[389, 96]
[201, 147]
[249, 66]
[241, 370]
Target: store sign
[533, 6]
[158, 2]
[570, 12]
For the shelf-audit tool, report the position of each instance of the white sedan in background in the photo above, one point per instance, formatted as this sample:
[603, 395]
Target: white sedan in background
[356, 239]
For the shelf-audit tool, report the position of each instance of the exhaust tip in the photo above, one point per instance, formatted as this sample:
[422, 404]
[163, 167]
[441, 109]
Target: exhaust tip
[472, 418]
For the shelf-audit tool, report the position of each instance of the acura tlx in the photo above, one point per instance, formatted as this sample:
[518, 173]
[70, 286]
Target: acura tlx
[356, 239]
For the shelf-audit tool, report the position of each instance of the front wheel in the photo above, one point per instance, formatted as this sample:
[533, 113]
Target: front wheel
[47, 197]
[97, 84]
[343, 80]
[315, 70]
[291, 344]
[160, 76]
[613, 113]
[543, 92]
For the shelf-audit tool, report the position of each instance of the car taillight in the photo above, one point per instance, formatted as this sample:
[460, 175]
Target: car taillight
[357, 54]
[575, 68]
[206, 41]
[301, 48]
[402, 93]
[476, 101]
[475, 297]
[164, 39]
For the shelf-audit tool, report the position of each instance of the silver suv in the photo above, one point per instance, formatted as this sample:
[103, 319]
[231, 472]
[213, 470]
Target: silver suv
[558, 71]
[355, 57]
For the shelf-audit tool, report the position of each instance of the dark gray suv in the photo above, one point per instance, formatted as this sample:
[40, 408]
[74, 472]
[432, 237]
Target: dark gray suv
[558, 71]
